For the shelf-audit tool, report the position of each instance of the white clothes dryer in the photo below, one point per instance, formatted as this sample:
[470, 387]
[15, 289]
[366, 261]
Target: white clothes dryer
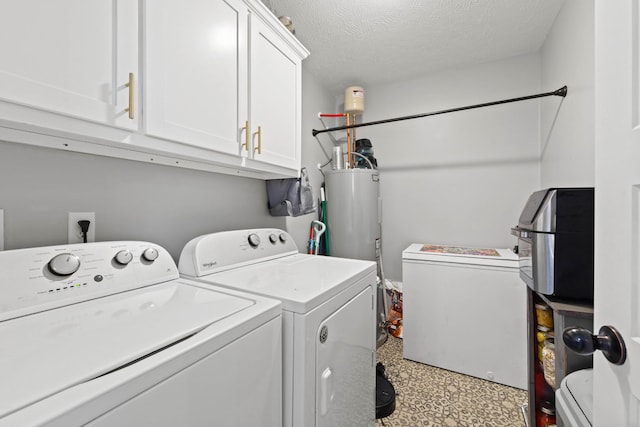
[328, 320]
[107, 334]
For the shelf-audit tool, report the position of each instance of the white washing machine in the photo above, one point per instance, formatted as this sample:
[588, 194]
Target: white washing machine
[107, 334]
[328, 320]
[465, 310]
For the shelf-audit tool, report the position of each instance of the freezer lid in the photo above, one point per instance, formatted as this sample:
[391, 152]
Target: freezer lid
[301, 281]
[45, 353]
[497, 257]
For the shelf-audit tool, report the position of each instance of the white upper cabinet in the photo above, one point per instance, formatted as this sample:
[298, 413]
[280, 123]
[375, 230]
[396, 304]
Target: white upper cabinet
[195, 71]
[223, 75]
[274, 88]
[71, 57]
[212, 73]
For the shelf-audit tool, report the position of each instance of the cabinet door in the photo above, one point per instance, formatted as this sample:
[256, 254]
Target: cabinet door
[275, 85]
[195, 71]
[71, 57]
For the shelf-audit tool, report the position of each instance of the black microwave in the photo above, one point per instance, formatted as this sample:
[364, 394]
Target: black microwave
[556, 242]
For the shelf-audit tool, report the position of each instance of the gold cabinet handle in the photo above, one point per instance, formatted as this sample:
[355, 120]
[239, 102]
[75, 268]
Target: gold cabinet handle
[132, 91]
[246, 135]
[259, 147]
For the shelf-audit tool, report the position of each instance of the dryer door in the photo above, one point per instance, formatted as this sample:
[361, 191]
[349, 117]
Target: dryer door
[345, 369]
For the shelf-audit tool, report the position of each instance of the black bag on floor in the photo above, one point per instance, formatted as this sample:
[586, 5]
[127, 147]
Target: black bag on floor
[385, 394]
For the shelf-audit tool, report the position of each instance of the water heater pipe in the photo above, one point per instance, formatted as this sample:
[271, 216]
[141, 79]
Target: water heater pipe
[331, 115]
[560, 92]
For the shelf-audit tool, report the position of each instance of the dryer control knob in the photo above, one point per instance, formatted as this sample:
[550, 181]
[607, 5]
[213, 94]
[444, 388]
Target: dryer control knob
[283, 237]
[123, 257]
[254, 240]
[273, 238]
[150, 254]
[64, 264]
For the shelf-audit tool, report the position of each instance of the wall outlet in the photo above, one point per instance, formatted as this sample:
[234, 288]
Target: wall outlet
[74, 231]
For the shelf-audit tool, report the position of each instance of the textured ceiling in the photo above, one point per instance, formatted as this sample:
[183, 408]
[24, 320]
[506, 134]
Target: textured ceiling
[367, 42]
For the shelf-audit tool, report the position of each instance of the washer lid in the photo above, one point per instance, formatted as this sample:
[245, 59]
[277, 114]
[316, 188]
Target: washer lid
[300, 281]
[45, 353]
[498, 257]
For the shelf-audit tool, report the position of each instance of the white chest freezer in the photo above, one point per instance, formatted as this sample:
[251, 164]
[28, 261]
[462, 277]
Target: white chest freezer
[464, 309]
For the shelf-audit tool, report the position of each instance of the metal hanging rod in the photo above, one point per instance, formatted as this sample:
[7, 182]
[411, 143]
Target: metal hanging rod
[560, 92]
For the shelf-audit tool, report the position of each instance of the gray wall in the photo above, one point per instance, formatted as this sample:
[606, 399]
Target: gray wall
[459, 178]
[132, 200]
[567, 133]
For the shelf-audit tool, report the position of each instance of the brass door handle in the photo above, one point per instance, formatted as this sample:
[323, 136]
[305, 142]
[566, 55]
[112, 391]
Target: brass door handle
[259, 147]
[132, 91]
[246, 135]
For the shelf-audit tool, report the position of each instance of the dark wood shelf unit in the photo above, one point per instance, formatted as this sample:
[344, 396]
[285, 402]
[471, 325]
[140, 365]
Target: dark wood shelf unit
[565, 314]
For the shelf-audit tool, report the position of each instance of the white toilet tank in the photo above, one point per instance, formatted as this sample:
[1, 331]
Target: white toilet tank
[574, 400]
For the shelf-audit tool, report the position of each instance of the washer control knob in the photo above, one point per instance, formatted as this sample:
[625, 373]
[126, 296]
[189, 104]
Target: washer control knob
[254, 240]
[273, 238]
[64, 264]
[150, 254]
[283, 237]
[123, 257]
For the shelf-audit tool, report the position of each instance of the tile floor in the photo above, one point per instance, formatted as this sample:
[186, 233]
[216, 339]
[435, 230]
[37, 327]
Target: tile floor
[428, 397]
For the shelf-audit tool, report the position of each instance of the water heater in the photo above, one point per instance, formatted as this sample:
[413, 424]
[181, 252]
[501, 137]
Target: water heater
[353, 224]
[353, 212]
